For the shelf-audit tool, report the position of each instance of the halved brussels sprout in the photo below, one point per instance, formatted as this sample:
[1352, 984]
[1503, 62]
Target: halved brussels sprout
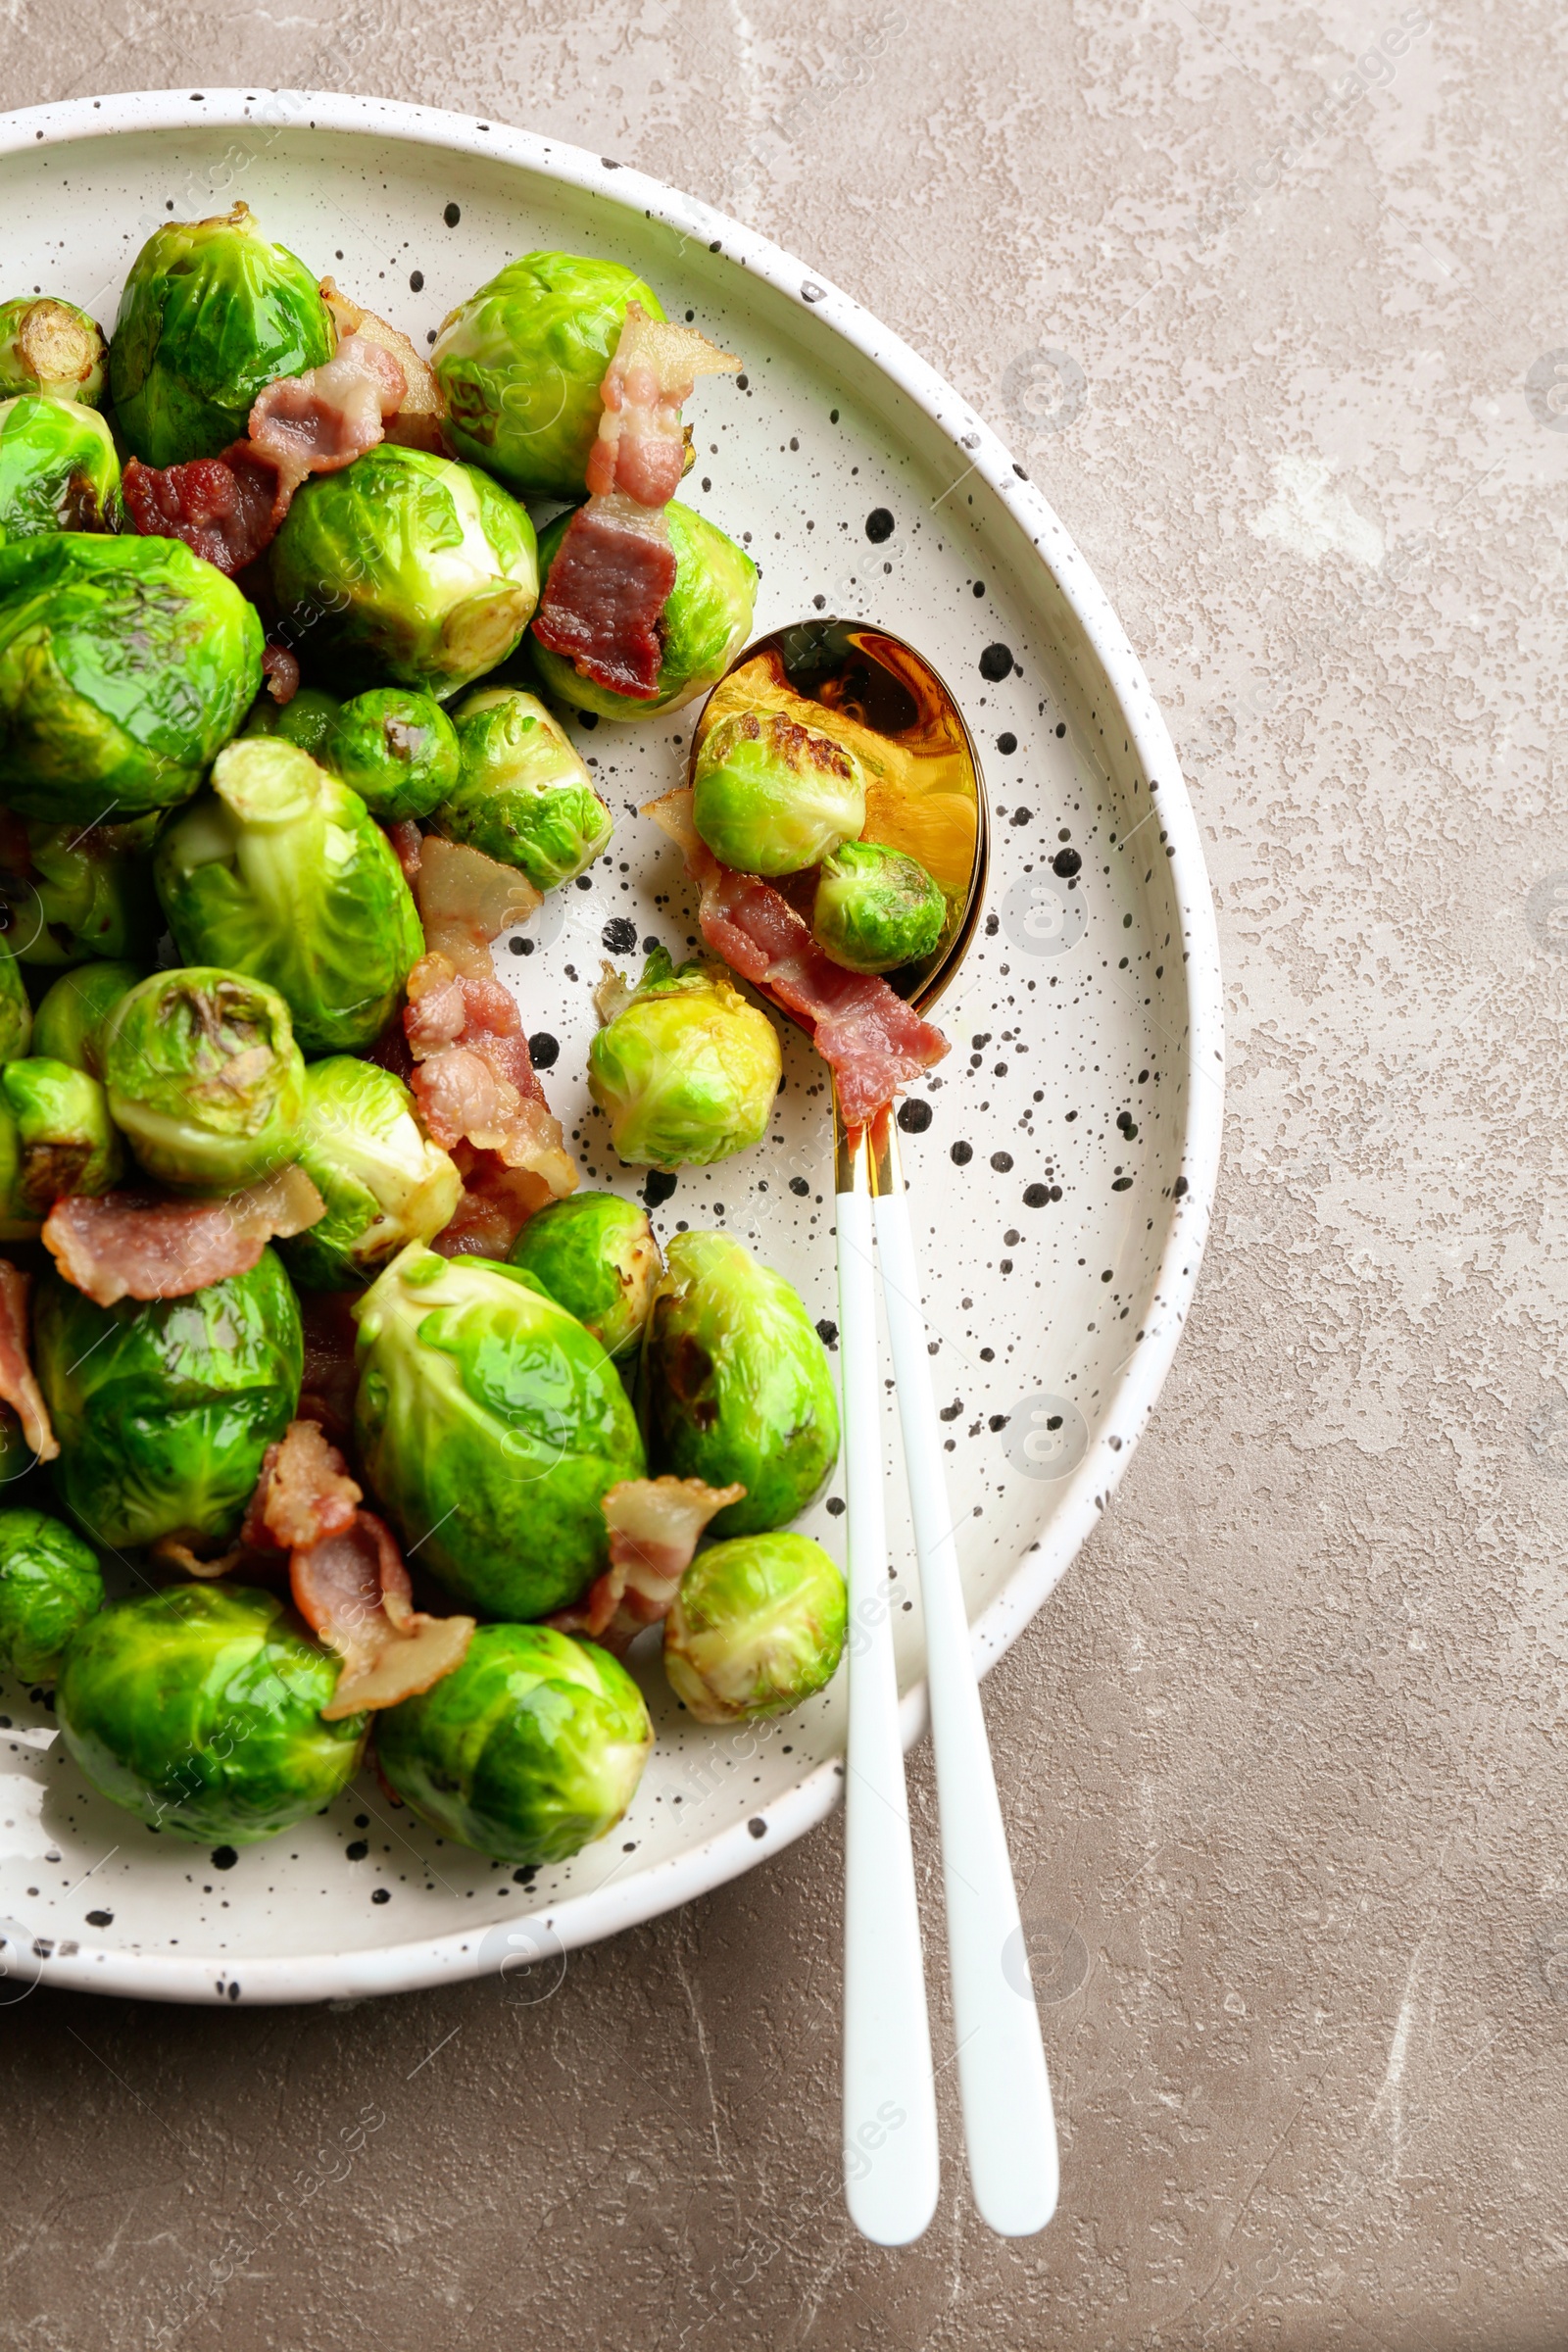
[199, 1709]
[596, 1255]
[406, 567]
[876, 908]
[283, 873]
[50, 345]
[706, 621]
[125, 665]
[164, 1410]
[65, 1139]
[771, 797]
[532, 1748]
[50, 1584]
[519, 366]
[686, 1070]
[204, 1078]
[16, 1013]
[523, 794]
[757, 1626]
[86, 892]
[306, 718]
[69, 1023]
[738, 1382]
[491, 1425]
[398, 750]
[384, 1183]
[211, 315]
[58, 469]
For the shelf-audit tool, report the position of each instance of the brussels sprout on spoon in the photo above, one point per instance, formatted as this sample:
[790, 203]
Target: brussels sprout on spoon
[876, 909]
[771, 797]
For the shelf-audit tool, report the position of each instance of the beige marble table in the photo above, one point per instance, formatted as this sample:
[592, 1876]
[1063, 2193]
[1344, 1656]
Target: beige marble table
[1271, 301]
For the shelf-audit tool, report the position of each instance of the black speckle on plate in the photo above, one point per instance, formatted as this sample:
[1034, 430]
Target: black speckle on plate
[1002, 1161]
[878, 526]
[224, 1857]
[453, 215]
[357, 1850]
[961, 1154]
[997, 661]
[827, 1333]
[800, 1186]
[757, 1826]
[914, 1116]
[100, 1919]
[544, 1050]
[1066, 862]
[382, 1894]
[619, 935]
[1006, 744]
[415, 281]
[658, 1188]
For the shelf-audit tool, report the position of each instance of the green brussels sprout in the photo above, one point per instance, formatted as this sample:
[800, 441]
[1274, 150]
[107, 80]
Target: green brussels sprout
[384, 1183]
[529, 1752]
[65, 1139]
[757, 1625]
[595, 1255]
[125, 664]
[69, 1023]
[876, 908]
[519, 366]
[49, 1585]
[283, 872]
[685, 1070]
[491, 1425]
[771, 797]
[738, 1382]
[50, 345]
[165, 1410]
[87, 892]
[16, 1013]
[523, 794]
[58, 469]
[706, 621]
[306, 718]
[199, 1709]
[210, 316]
[398, 750]
[406, 568]
[204, 1078]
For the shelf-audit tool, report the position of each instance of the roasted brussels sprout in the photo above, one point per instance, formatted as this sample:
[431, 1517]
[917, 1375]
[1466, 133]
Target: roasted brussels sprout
[69, 1023]
[125, 664]
[771, 797]
[406, 567]
[211, 315]
[49, 1585]
[58, 469]
[306, 718]
[685, 1070]
[384, 1183]
[706, 621]
[398, 750]
[519, 366]
[757, 1626]
[164, 1410]
[283, 872]
[50, 345]
[66, 1142]
[16, 1013]
[199, 1708]
[532, 1748]
[522, 795]
[491, 1425]
[87, 892]
[596, 1255]
[204, 1078]
[876, 908]
[738, 1382]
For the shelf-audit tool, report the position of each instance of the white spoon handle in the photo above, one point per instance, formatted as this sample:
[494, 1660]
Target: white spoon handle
[890, 2114]
[1010, 2128]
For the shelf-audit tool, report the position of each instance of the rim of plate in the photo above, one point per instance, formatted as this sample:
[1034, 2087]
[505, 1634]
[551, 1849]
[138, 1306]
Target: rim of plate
[587, 1918]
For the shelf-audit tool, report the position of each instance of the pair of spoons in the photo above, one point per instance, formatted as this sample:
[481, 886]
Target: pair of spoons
[927, 796]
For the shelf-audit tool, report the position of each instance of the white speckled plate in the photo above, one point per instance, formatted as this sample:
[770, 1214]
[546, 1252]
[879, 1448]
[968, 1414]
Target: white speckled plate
[1062, 1181]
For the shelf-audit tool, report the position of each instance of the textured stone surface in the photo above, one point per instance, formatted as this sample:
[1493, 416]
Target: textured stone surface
[1282, 1755]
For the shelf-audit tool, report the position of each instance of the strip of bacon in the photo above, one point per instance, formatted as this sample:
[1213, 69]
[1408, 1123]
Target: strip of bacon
[18, 1387]
[603, 599]
[474, 1081]
[497, 1204]
[466, 900]
[141, 1246]
[653, 1528]
[281, 671]
[871, 1039]
[224, 509]
[351, 1588]
[407, 840]
[304, 1492]
[418, 421]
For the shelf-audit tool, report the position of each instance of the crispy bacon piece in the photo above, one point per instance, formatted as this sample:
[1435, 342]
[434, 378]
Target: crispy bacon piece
[871, 1039]
[603, 601]
[497, 1204]
[18, 1387]
[466, 900]
[474, 1081]
[304, 1492]
[143, 1245]
[351, 1588]
[408, 842]
[653, 1528]
[417, 421]
[225, 509]
[281, 671]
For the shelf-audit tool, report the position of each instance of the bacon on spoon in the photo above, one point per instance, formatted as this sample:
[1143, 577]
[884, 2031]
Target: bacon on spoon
[654, 1524]
[141, 1246]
